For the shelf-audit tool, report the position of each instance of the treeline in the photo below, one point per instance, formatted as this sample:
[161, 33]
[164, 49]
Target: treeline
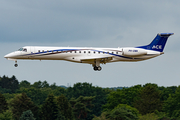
[42, 101]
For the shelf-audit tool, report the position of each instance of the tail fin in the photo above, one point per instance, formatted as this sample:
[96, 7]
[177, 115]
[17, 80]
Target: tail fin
[158, 43]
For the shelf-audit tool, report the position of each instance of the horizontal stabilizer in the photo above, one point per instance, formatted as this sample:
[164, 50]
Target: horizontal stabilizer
[165, 34]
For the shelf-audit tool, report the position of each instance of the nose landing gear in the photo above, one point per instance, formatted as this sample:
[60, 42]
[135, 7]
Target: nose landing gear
[15, 64]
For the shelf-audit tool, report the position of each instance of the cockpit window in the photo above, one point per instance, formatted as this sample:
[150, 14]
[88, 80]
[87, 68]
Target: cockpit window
[23, 49]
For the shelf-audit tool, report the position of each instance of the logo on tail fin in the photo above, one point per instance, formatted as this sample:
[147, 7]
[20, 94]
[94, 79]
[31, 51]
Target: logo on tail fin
[157, 47]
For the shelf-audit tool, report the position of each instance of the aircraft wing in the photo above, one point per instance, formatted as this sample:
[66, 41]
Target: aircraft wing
[102, 60]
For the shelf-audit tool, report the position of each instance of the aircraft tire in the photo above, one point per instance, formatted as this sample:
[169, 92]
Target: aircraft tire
[99, 68]
[95, 68]
[15, 65]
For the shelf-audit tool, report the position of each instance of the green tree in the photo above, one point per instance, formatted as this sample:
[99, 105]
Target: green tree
[37, 84]
[172, 104]
[148, 100]
[40, 84]
[22, 103]
[161, 115]
[101, 117]
[166, 91]
[64, 107]
[53, 86]
[58, 91]
[86, 89]
[124, 96]
[9, 96]
[27, 115]
[80, 106]
[150, 116]
[6, 115]
[9, 83]
[60, 117]
[49, 110]
[24, 84]
[38, 96]
[3, 104]
[132, 109]
[45, 84]
[4, 90]
[123, 112]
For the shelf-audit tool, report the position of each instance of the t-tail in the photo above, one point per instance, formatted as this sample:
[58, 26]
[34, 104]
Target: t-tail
[158, 43]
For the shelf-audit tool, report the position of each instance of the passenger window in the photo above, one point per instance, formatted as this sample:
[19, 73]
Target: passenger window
[107, 52]
[79, 51]
[116, 52]
[89, 51]
[39, 51]
[112, 52]
[74, 51]
[99, 52]
[84, 51]
[94, 52]
[43, 51]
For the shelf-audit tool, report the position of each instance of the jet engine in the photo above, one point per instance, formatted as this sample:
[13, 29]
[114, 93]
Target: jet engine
[133, 52]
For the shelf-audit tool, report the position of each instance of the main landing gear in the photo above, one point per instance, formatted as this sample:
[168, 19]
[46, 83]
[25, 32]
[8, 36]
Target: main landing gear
[96, 65]
[15, 64]
[97, 68]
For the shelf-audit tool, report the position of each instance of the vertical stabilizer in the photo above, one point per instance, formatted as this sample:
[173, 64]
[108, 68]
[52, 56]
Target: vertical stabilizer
[158, 43]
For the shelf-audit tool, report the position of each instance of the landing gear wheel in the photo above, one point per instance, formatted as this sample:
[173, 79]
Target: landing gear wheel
[15, 65]
[99, 68]
[95, 68]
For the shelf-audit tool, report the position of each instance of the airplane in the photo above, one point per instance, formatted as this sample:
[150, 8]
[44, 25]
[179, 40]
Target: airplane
[93, 56]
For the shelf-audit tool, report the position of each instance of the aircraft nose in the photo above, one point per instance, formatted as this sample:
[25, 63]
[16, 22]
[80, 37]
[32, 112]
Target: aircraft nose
[8, 56]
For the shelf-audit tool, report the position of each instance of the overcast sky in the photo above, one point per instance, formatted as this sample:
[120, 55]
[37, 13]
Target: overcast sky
[86, 23]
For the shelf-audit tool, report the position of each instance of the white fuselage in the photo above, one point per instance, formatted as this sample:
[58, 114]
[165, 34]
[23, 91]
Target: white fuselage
[83, 54]
[94, 56]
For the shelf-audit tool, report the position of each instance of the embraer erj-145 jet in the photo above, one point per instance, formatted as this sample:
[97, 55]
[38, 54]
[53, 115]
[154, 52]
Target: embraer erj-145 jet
[93, 56]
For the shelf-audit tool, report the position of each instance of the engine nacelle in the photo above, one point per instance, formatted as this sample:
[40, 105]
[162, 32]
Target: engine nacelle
[133, 52]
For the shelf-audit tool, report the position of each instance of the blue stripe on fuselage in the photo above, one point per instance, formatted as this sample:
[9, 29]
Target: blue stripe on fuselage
[49, 52]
